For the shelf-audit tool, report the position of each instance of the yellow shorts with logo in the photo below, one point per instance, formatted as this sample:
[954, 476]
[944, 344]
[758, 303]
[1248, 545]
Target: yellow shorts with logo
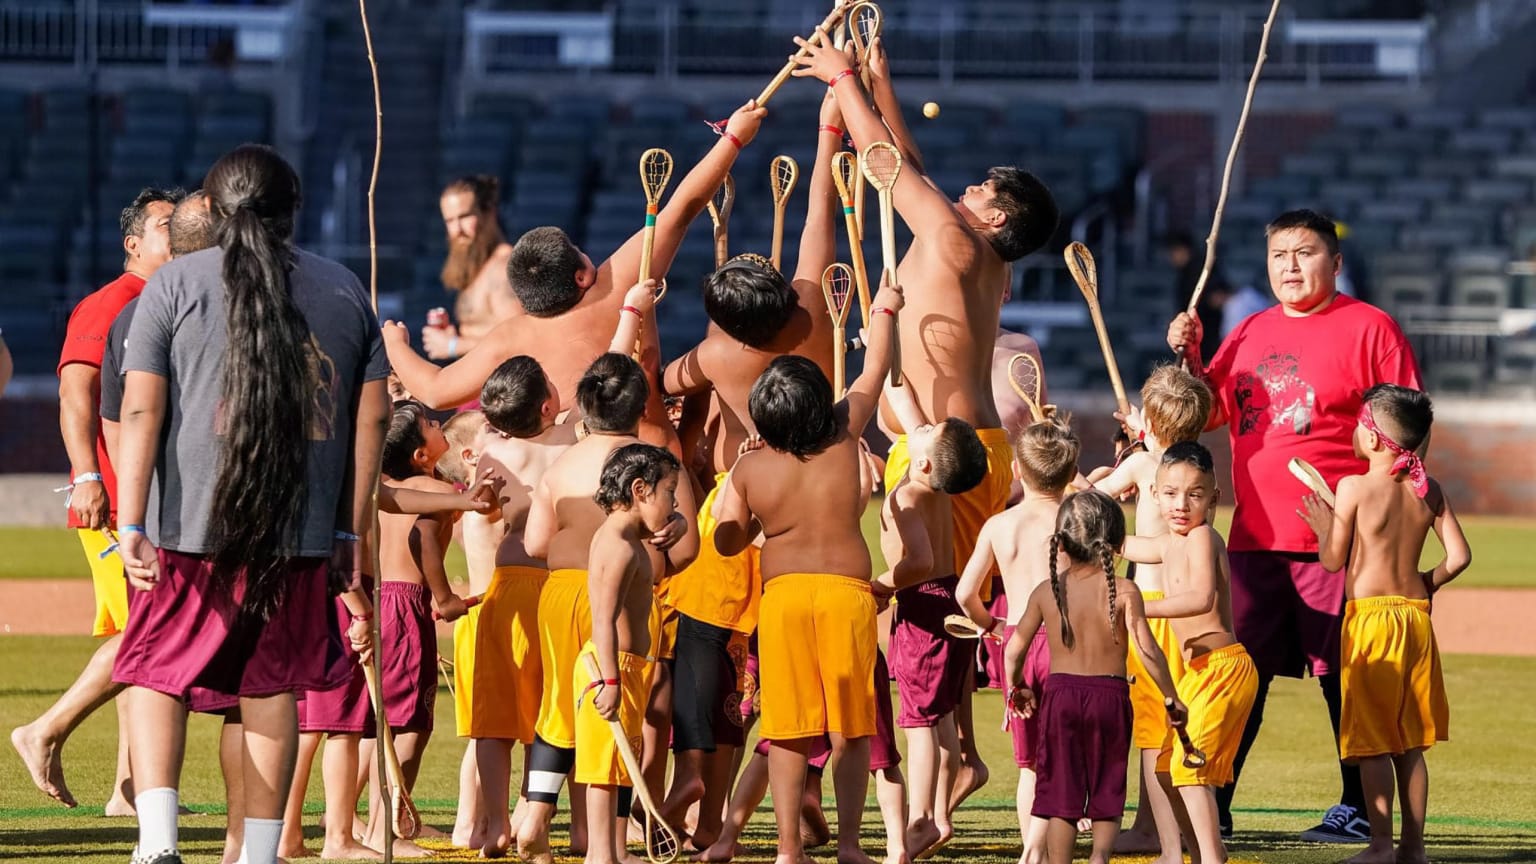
[1394, 696]
[597, 753]
[496, 658]
[111, 586]
[1150, 729]
[1218, 689]
[972, 509]
[723, 592]
[816, 643]
[565, 624]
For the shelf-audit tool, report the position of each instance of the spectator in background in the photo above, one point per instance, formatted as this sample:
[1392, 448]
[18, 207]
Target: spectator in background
[1246, 301]
[145, 225]
[476, 267]
[1180, 249]
[7, 367]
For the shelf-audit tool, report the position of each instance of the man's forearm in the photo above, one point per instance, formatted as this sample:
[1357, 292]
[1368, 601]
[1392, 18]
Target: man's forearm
[890, 112]
[864, 124]
[79, 424]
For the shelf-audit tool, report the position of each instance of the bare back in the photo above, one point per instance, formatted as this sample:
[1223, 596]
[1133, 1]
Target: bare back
[1021, 544]
[1098, 647]
[487, 298]
[1391, 524]
[935, 510]
[521, 464]
[570, 484]
[1139, 471]
[812, 509]
[399, 558]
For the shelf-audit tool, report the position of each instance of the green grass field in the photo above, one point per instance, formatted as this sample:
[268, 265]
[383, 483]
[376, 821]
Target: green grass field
[1482, 804]
[1498, 544]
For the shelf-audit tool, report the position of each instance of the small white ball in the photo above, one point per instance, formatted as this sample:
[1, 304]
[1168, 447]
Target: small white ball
[930, 110]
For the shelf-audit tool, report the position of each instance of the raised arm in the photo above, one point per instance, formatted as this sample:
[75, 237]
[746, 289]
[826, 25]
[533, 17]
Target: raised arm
[889, 107]
[916, 563]
[818, 241]
[1334, 526]
[1458, 552]
[864, 394]
[638, 303]
[1200, 575]
[685, 376]
[1143, 550]
[460, 381]
[1127, 476]
[735, 527]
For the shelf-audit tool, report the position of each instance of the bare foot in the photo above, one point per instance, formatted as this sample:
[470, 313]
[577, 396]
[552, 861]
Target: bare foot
[44, 762]
[495, 842]
[922, 834]
[1411, 856]
[719, 853]
[814, 832]
[1372, 855]
[350, 851]
[897, 858]
[117, 807]
[853, 856]
[427, 832]
[946, 834]
[535, 852]
[627, 858]
[973, 775]
[408, 849]
[1135, 842]
[299, 851]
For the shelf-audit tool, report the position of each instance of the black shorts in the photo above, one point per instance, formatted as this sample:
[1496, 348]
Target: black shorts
[706, 687]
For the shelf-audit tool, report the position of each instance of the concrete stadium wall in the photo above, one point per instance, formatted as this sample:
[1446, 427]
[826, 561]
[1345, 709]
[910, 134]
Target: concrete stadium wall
[1483, 451]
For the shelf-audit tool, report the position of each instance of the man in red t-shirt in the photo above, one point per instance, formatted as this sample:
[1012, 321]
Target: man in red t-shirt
[92, 511]
[1288, 382]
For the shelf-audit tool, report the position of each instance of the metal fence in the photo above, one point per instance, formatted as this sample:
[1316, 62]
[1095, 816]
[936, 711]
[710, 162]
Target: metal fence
[86, 33]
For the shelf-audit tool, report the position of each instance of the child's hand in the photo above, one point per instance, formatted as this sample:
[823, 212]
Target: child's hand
[821, 60]
[879, 69]
[1178, 715]
[396, 333]
[1132, 421]
[483, 497]
[666, 538]
[1021, 702]
[606, 702]
[746, 121]
[1317, 514]
[141, 560]
[450, 609]
[889, 295]
[360, 638]
[642, 295]
[748, 444]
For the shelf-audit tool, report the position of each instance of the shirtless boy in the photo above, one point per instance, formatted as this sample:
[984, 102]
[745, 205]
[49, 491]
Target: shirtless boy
[816, 636]
[1394, 696]
[1220, 681]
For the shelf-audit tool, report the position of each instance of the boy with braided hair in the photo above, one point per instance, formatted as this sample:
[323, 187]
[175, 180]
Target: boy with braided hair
[1085, 712]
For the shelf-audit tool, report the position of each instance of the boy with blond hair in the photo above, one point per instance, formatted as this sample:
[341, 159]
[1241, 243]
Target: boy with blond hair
[1017, 542]
[1394, 698]
[1175, 408]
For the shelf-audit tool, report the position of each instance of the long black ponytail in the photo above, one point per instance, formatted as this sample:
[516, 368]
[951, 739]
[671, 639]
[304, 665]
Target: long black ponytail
[268, 381]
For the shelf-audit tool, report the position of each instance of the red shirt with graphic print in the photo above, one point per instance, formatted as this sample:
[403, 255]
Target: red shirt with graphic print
[1292, 387]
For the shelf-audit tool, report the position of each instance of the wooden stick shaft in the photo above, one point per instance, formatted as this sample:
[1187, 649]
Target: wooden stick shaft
[777, 249]
[378, 143]
[647, 243]
[888, 260]
[839, 360]
[626, 755]
[1109, 355]
[856, 252]
[859, 182]
[828, 23]
[722, 245]
[1226, 174]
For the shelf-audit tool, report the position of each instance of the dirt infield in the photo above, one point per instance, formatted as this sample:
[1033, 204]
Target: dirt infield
[1467, 621]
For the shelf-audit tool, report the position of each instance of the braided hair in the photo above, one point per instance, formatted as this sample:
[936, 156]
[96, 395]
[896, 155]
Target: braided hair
[1090, 526]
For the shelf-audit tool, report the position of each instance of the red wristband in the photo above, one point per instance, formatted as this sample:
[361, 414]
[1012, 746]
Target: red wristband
[883, 310]
[838, 77]
[729, 136]
[610, 682]
[828, 127]
[631, 309]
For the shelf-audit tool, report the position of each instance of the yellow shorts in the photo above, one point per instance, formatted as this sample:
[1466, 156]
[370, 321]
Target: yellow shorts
[1394, 697]
[111, 586]
[665, 612]
[1150, 730]
[597, 753]
[1218, 689]
[972, 509]
[816, 644]
[723, 592]
[565, 624]
[497, 666]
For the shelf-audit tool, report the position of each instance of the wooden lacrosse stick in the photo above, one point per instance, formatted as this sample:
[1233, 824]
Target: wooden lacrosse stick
[845, 168]
[826, 26]
[783, 172]
[1025, 377]
[1194, 757]
[720, 213]
[1310, 477]
[403, 820]
[881, 164]
[661, 842]
[655, 172]
[1226, 174]
[962, 627]
[864, 21]
[1086, 274]
[837, 284]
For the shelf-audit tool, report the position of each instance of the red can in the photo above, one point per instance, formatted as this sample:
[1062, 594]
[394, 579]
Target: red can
[437, 317]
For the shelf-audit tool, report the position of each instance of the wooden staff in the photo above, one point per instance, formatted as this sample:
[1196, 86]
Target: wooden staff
[827, 24]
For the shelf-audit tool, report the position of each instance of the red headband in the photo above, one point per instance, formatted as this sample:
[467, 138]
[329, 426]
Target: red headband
[1407, 460]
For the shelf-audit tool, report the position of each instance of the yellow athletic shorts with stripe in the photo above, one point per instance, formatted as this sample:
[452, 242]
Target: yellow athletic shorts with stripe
[496, 658]
[597, 753]
[1394, 696]
[816, 644]
[565, 624]
[1218, 689]
[111, 586]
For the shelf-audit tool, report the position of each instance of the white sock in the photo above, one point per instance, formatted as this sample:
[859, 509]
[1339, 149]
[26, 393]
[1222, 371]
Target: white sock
[261, 839]
[157, 820]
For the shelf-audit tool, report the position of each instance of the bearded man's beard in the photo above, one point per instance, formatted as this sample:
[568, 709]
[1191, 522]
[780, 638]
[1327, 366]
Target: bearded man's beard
[467, 256]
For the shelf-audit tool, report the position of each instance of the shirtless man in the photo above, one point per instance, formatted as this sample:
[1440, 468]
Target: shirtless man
[569, 304]
[562, 518]
[476, 267]
[958, 264]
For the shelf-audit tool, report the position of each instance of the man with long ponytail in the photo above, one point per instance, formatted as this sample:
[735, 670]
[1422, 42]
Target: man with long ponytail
[256, 402]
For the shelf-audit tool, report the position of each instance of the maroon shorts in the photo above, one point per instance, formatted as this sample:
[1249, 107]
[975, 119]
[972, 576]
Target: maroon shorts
[409, 656]
[1085, 737]
[1037, 667]
[929, 664]
[882, 746]
[346, 709]
[188, 635]
[1287, 611]
[991, 650]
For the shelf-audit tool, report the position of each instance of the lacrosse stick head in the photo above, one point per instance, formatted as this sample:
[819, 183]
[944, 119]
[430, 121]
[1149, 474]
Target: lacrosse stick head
[661, 842]
[655, 173]
[722, 201]
[864, 21]
[1026, 380]
[783, 172]
[1084, 272]
[838, 285]
[881, 163]
[404, 818]
[845, 167]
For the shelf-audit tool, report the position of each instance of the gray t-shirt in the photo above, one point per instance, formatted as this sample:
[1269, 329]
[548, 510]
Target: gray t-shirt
[178, 333]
